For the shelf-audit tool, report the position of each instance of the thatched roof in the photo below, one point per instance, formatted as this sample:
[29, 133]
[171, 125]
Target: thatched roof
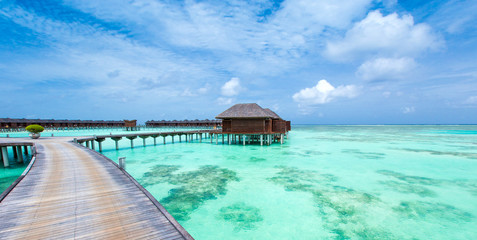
[246, 110]
[272, 113]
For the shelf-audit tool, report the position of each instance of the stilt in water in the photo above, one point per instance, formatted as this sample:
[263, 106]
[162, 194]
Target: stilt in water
[116, 139]
[131, 138]
[15, 153]
[100, 143]
[19, 154]
[6, 162]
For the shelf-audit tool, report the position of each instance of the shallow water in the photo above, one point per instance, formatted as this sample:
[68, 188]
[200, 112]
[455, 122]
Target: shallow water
[9, 174]
[325, 182]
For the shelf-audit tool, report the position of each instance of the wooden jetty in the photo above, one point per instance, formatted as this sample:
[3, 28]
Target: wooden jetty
[72, 192]
[189, 136]
[17, 151]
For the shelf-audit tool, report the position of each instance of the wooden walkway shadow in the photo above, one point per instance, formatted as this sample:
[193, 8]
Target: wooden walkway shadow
[75, 193]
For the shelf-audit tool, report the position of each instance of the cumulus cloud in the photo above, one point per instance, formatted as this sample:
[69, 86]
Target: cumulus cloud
[224, 101]
[472, 100]
[231, 88]
[385, 68]
[204, 89]
[380, 35]
[407, 110]
[323, 93]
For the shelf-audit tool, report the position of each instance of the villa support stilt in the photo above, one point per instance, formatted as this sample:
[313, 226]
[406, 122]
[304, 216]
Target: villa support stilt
[116, 140]
[154, 137]
[100, 143]
[6, 162]
[15, 153]
[20, 154]
[144, 140]
[131, 138]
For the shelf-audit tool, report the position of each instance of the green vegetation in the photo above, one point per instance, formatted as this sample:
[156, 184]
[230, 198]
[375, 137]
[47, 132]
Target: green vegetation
[35, 128]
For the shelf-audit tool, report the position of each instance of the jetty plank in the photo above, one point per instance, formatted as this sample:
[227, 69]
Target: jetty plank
[72, 192]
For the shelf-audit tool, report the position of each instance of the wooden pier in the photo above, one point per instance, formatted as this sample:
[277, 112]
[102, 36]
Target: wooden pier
[213, 135]
[72, 192]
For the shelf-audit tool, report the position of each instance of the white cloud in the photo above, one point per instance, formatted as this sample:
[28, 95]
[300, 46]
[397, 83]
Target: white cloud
[385, 68]
[232, 87]
[407, 110]
[390, 35]
[204, 89]
[386, 94]
[224, 101]
[471, 100]
[323, 93]
[188, 93]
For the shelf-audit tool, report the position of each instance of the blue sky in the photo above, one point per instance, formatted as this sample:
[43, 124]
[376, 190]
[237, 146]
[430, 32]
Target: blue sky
[312, 61]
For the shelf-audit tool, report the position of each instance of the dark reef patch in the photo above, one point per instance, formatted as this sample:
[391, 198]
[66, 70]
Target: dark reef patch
[257, 159]
[443, 153]
[432, 211]
[173, 157]
[366, 155]
[340, 207]
[413, 184]
[411, 179]
[404, 187]
[469, 185]
[194, 187]
[242, 216]
[159, 174]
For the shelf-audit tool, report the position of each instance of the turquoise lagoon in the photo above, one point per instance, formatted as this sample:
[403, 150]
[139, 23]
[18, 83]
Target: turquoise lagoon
[325, 182]
[10, 174]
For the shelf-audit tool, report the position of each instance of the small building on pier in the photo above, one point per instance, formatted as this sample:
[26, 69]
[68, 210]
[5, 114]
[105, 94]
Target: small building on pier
[131, 125]
[256, 124]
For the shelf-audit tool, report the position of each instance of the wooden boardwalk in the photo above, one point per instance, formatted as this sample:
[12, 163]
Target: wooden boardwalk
[72, 192]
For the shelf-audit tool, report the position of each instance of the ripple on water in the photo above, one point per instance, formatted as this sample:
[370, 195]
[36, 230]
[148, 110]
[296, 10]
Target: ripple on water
[242, 216]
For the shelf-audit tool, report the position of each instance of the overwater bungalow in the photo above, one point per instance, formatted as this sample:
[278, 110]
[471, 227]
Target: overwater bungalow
[253, 122]
[184, 123]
